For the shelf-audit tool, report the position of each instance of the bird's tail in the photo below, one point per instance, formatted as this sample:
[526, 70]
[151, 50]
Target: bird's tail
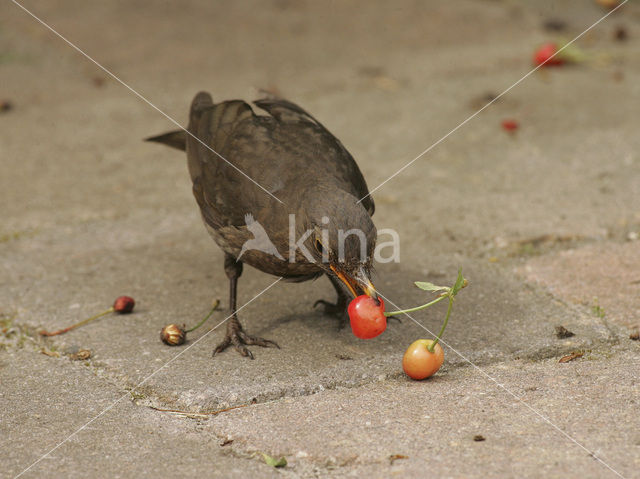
[178, 139]
[175, 139]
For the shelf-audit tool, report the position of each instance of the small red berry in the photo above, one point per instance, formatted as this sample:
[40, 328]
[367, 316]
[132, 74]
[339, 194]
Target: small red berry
[510, 125]
[543, 55]
[123, 304]
[367, 318]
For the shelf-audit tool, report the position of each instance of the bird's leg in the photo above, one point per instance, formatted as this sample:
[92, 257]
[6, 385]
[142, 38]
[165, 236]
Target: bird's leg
[339, 308]
[236, 336]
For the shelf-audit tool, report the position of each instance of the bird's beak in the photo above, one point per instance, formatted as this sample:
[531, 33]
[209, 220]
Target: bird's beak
[360, 282]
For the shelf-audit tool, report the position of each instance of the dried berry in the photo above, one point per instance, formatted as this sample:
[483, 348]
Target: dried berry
[173, 335]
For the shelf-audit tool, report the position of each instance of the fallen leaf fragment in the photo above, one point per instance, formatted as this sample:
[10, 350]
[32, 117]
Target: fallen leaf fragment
[621, 34]
[571, 357]
[198, 414]
[562, 332]
[81, 355]
[273, 462]
[51, 354]
[5, 105]
[394, 457]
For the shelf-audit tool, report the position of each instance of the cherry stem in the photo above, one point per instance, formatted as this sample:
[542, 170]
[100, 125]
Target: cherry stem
[81, 323]
[431, 347]
[450, 294]
[216, 303]
[417, 308]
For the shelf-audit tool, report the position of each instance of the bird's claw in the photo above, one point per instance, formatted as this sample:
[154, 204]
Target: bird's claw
[240, 341]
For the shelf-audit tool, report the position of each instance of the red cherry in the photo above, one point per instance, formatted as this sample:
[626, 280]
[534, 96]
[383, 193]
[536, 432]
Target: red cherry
[543, 54]
[123, 304]
[367, 317]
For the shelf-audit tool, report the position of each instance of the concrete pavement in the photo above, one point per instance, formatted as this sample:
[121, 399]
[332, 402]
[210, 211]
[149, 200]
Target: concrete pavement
[543, 221]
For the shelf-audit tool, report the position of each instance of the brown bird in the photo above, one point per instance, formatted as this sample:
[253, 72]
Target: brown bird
[279, 193]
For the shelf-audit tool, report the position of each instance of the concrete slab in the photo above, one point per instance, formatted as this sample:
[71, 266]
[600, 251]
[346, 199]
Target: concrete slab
[357, 432]
[602, 277]
[40, 411]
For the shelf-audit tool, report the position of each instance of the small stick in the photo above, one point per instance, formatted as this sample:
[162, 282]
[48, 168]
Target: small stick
[187, 413]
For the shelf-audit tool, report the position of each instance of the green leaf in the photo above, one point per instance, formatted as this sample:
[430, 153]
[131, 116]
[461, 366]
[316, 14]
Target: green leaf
[459, 283]
[430, 286]
[273, 462]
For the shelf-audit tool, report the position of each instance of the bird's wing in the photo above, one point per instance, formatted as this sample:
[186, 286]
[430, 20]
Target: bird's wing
[217, 171]
[285, 111]
[210, 214]
[289, 113]
[281, 152]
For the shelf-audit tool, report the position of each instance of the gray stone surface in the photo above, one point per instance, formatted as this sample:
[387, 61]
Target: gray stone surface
[605, 277]
[541, 221]
[433, 423]
[41, 410]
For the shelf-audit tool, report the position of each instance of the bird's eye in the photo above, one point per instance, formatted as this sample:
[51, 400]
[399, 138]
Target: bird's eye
[318, 246]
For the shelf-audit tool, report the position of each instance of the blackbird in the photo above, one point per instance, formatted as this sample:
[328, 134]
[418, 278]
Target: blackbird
[280, 193]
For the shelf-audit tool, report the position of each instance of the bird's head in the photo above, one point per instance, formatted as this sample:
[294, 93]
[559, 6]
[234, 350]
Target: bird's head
[342, 239]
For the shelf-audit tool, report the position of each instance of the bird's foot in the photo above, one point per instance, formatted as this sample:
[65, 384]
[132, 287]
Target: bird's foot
[240, 340]
[338, 310]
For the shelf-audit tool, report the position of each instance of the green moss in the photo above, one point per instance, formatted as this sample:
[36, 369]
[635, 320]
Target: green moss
[528, 249]
[21, 341]
[135, 395]
[597, 310]
[6, 321]
[16, 235]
